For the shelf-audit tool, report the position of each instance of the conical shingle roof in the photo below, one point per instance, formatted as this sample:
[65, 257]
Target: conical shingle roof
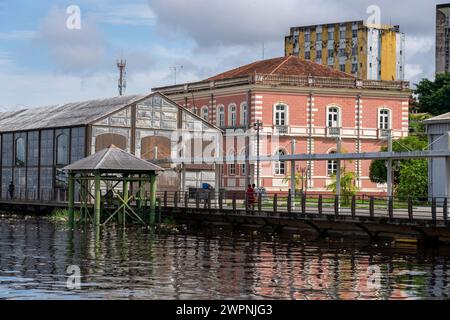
[113, 160]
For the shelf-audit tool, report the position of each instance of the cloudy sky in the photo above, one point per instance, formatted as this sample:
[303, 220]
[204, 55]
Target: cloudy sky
[43, 62]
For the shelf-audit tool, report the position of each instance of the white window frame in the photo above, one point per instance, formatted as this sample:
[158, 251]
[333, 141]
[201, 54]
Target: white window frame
[279, 167]
[276, 112]
[232, 169]
[205, 108]
[221, 115]
[244, 114]
[389, 119]
[338, 121]
[243, 170]
[232, 115]
[331, 166]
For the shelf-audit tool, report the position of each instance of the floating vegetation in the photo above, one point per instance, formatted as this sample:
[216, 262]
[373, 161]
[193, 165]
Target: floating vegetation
[60, 215]
[168, 225]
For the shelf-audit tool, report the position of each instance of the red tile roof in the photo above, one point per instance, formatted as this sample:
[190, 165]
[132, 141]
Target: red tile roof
[288, 66]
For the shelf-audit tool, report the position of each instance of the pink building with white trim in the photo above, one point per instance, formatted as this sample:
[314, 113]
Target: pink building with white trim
[301, 100]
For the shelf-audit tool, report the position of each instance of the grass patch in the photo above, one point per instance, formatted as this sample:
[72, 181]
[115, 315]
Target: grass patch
[60, 215]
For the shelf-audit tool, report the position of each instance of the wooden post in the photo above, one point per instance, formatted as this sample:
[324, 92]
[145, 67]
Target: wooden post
[275, 203]
[186, 200]
[165, 199]
[97, 200]
[71, 200]
[445, 210]
[209, 200]
[434, 209]
[320, 204]
[391, 207]
[353, 207]
[289, 203]
[372, 207]
[220, 200]
[125, 201]
[197, 200]
[303, 203]
[139, 194]
[259, 205]
[336, 206]
[175, 199]
[153, 185]
[410, 209]
[234, 202]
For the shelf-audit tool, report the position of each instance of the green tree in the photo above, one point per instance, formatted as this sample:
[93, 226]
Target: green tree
[433, 97]
[412, 180]
[417, 125]
[348, 186]
[378, 170]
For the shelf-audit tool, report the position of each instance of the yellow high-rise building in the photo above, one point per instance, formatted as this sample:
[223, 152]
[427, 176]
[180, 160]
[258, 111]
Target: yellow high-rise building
[372, 52]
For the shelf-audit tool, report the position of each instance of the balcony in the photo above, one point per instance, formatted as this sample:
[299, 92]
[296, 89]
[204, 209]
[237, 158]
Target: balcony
[384, 133]
[281, 130]
[334, 131]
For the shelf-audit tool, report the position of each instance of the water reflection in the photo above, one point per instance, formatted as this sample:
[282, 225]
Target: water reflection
[138, 264]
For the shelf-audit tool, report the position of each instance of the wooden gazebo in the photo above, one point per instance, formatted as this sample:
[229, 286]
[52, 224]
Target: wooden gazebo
[110, 169]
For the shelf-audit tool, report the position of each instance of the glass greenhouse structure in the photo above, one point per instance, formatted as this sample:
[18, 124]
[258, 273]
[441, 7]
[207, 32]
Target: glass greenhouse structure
[37, 143]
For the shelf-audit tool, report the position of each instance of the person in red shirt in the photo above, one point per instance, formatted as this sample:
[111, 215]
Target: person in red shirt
[250, 197]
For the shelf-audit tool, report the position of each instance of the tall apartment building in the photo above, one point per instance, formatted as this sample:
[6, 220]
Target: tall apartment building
[370, 52]
[443, 38]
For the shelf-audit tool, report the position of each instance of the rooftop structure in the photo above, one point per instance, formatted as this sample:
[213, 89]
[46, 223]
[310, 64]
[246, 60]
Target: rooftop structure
[374, 52]
[289, 71]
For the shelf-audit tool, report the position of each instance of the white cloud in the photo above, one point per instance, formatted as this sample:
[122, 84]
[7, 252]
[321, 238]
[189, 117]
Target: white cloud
[78, 51]
[128, 14]
[419, 45]
[17, 35]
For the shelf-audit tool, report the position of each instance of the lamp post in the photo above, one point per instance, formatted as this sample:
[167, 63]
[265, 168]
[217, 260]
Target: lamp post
[257, 127]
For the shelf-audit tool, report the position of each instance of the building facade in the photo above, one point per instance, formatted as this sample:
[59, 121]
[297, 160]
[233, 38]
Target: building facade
[371, 52]
[443, 38]
[37, 143]
[301, 100]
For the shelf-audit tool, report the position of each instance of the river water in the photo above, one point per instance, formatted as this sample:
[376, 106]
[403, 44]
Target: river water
[38, 258]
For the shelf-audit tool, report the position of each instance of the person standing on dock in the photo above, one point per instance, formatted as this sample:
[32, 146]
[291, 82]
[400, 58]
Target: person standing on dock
[11, 190]
[250, 197]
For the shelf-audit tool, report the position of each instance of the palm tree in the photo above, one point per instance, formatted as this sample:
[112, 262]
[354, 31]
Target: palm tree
[348, 186]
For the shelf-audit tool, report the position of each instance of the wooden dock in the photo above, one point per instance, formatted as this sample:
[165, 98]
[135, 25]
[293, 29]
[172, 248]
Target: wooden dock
[324, 215]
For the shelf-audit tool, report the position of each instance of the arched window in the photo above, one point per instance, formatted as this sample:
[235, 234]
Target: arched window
[20, 152]
[384, 122]
[280, 168]
[331, 166]
[333, 117]
[62, 150]
[232, 115]
[221, 116]
[205, 113]
[280, 115]
[244, 114]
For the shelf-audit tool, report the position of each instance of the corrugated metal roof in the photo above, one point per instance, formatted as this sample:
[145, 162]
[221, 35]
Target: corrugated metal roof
[113, 160]
[441, 118]
[64, 115]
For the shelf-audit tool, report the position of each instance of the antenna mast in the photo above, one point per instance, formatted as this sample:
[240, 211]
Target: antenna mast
[175, 70]
[121, 65]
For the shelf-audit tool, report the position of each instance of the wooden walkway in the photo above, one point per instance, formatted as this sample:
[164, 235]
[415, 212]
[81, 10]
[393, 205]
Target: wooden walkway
[373, 217]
